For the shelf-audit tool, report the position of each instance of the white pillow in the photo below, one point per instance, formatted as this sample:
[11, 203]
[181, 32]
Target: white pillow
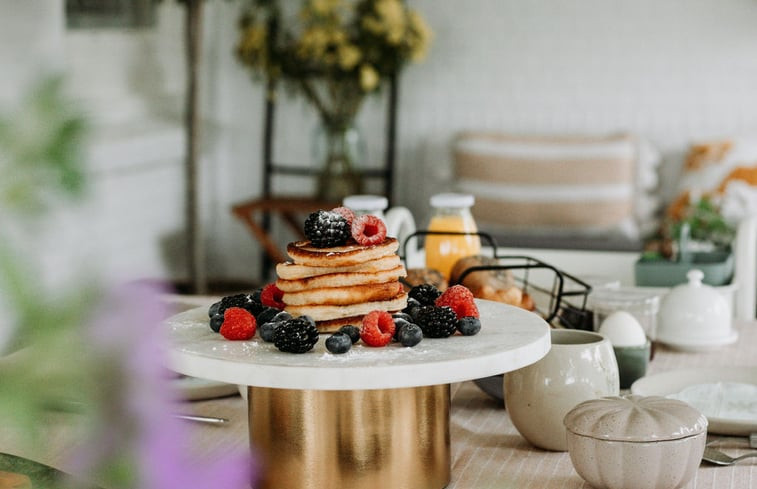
[577, 185]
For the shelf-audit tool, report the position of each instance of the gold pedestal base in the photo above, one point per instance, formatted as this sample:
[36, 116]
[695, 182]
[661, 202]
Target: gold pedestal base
[387, 438]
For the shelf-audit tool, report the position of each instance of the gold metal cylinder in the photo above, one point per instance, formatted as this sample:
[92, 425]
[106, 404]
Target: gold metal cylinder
[364, 439]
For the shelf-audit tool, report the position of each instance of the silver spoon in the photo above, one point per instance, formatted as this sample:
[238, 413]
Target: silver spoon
[719, 458]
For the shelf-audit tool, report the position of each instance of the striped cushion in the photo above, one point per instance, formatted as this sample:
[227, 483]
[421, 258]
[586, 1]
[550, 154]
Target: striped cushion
[555, 184]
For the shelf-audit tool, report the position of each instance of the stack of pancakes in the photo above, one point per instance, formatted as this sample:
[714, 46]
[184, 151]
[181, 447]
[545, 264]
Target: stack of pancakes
[339, 285]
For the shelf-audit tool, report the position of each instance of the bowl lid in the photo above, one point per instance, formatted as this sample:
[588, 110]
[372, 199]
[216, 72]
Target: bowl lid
[694, 309]
[635, 418]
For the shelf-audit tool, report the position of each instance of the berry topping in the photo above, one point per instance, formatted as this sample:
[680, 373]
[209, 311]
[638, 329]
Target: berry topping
[469, 325]
[436, 322]
[368, 230]
[268, 324]
[266, 331]
[378, 328]
[410, 335]
[238, 324]
[325, 229]
[339, 343]
[425, 294]
[271, 296]
[245, 301]
[297, 335]
[352, 331]
[346, 213]
[213, 310]
[460, 299]
[216, 322]
[400, 323]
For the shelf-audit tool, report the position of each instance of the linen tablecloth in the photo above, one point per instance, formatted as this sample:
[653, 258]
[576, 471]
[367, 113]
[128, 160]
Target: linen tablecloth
[487, 451]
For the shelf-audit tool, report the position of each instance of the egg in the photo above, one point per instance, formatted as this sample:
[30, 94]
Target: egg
[622, 329]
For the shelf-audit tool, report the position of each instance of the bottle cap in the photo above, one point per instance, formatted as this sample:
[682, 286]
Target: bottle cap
[452, 200]
[365, 202]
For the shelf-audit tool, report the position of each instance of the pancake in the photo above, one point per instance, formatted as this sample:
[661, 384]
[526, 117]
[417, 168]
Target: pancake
[303, 253]
[343, 279]
[328, 312]
[293, 271]
[343, 295]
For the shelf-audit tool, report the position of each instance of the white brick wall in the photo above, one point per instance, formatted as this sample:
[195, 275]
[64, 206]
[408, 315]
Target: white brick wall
[672, 71]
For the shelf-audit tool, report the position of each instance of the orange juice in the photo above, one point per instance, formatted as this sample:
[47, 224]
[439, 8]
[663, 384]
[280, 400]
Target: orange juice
[452, 213]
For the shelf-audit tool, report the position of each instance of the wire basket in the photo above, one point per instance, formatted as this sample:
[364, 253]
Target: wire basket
[557, 296]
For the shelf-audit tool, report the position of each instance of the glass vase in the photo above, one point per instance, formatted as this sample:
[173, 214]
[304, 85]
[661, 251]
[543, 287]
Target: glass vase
[339, 149]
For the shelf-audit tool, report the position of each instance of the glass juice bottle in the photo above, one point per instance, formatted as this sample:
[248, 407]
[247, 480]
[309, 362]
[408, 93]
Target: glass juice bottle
[451, 213]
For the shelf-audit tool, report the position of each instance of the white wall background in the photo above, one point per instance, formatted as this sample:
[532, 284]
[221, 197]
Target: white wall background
[672, 71]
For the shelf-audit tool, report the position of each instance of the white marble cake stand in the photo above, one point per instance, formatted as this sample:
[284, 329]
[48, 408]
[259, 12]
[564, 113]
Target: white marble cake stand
[373, 417]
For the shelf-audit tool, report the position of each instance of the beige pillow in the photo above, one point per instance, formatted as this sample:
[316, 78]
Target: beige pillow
[577, 185]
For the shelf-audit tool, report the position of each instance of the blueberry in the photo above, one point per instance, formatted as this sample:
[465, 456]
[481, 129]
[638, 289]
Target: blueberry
[469, 325]
[308, 319]
[338, 343]
[412, 307]
[215, 322]
[400, 323]
[352, 331]
[266, 331]
[402, 315]
[410, 335]
[266, 314]
[281, 316]
[214, 309]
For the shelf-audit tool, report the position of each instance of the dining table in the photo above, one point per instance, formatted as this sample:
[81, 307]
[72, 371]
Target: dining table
[486, 450]
[488, 453]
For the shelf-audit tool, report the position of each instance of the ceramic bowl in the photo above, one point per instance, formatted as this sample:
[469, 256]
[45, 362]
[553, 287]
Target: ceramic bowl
[636, 442]
[632, 362]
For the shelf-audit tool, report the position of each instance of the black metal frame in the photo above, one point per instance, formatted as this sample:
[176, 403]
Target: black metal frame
[562, 307]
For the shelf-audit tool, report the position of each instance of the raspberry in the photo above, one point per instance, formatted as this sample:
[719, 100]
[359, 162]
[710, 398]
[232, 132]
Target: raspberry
[297, 335]
[326, 229]
[346, 213]
[460, 299]
[436, 322]
[378, 328]
[368, 230]
[238, 324]
[426, 294]
[271, 296]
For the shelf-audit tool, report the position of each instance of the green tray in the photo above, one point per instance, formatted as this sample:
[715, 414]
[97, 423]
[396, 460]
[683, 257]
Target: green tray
[717, 267]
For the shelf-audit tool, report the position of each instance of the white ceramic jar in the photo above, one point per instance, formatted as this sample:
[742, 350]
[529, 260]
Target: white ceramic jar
[580, 365]
[636, 442]
[695, 315]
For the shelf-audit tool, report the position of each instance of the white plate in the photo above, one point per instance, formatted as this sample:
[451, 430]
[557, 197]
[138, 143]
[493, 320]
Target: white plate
[692, 345]
[196, 389]
[674, 381]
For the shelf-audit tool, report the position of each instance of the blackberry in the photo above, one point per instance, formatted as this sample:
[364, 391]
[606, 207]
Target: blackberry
[436, 322]
[297, 335]
[245, 301]
[410, 335]
[339, 343]
[469, 325]
[426, 294]
[325, 229]
[352, 331]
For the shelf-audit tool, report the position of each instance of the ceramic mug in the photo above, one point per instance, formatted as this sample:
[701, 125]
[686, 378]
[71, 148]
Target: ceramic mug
[580, 366]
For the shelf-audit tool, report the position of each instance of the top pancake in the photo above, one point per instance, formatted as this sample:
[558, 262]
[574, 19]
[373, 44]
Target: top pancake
[303, 253]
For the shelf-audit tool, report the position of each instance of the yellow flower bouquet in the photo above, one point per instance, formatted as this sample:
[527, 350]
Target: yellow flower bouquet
[333, 52]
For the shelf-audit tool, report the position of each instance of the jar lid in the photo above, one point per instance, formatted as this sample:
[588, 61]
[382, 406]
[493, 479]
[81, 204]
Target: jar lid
[452, 200]
[366, 202]
[635, 418]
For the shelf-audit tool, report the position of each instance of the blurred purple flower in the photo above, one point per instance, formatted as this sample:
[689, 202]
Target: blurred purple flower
[137, 402]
